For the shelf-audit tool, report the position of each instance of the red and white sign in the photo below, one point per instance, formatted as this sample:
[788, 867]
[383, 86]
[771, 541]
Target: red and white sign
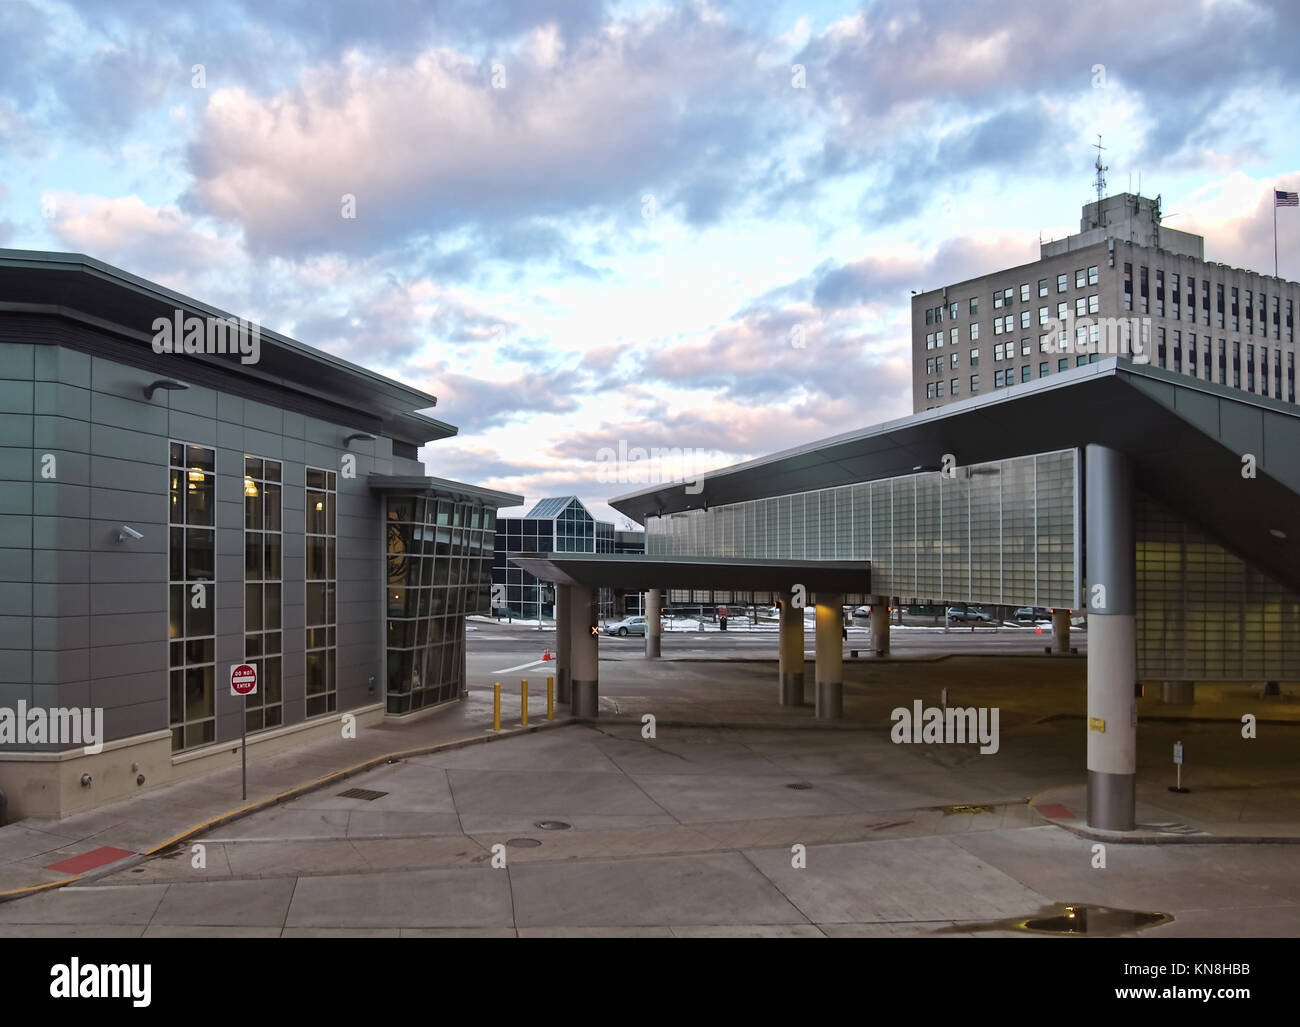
[243, 679]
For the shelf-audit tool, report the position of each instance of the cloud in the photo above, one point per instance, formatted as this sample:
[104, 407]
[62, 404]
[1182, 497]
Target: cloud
[428, 145]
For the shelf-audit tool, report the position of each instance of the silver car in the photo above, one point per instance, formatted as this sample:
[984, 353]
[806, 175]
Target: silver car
[626, 626]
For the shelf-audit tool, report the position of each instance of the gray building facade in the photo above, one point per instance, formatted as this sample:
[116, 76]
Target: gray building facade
[166, 515]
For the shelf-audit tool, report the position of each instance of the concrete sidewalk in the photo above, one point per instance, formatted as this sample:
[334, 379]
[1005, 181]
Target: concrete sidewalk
[1247, 797]
[109, 837]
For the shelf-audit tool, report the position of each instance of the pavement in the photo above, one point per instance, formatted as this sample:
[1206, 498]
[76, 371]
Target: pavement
[695, 828]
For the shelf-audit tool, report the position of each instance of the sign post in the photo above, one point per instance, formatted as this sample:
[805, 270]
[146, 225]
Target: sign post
[1178, 762]
[243, 681]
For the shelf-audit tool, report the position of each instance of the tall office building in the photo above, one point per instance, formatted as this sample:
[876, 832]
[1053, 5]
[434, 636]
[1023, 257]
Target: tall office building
[1126, 286]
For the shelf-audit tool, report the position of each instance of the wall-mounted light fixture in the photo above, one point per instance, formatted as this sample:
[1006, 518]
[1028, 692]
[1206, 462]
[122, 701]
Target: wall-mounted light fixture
[128, 534]
[357, 437]
[169, 384]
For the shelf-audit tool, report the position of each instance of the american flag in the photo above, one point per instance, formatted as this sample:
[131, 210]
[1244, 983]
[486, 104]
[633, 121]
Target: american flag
[1281, 199]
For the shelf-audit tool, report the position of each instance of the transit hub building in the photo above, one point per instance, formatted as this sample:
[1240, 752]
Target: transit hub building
[182, 491]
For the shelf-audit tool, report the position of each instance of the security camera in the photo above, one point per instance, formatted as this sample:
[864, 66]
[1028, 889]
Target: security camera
[128, 532]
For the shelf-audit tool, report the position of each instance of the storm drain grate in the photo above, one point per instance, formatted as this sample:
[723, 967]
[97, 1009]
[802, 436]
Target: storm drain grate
[800, 786]
[523, 843]
[362, 793]
[553, 825]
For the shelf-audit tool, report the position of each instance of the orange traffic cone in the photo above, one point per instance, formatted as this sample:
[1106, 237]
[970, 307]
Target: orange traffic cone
[547, 654]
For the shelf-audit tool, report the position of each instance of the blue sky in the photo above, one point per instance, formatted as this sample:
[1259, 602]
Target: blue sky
[691, 226]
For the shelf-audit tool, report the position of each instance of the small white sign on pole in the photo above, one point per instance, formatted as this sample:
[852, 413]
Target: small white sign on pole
[1178, 753]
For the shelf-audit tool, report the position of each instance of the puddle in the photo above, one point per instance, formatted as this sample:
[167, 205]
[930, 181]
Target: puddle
[1070, 920]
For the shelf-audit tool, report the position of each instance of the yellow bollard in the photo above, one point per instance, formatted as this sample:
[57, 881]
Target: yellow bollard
[550, 697]
[496, 706]
[523, 702]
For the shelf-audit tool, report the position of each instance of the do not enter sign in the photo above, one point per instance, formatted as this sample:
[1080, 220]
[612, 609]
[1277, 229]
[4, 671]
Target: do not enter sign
[243, 679]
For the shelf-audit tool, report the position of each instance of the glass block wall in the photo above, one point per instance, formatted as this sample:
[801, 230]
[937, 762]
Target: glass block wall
[1001, 532]
[1205, 615]
[439, 570]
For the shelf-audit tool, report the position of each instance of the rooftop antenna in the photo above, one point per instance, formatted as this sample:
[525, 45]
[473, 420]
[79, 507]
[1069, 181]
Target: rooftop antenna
[1101, 176]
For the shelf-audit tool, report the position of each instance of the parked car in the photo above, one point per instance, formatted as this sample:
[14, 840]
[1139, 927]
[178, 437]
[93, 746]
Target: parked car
[1030, 614]
[626, 626]
[967, 615]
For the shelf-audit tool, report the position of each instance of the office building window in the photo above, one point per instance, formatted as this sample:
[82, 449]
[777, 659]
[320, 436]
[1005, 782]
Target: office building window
[1042, 369]
[1250, 367]
[1093, 275]
[1081, 306]
[952, 387]
[956, 360]
[1042, 287]
[1080, 361]
[1062, 310]
[1236, 365]
[1175, 294]
[952, 311]
[1250, 310]
[1042, 315]
[938, 339]
[1277, 374]
[1080, 278]
[999, 379]
[997, 351]
[1008, 296]
[1218, 306]
[1223, 364]
[262, 590]
[1024, 318]
[1263, 371]
[1062, 283]
[1144, 290]
[1128, 286]
[938, 389]
[929, 365]
[997, 299]
[1063, 364]
[938, 315]
[1025, 372]
[975, 357]
[1191, 298]
[929, 340]
[1160, 348]
[321, 572]
[1205, 352]
[1205, 301]
[952, 335]
[1160, 293]
[1025, 347]
[974, 383]
[1236, 316]
[1290, 327]
[1024, 293]
[1290, 377]
[192, 595]
[974, 305]
[997, 325]
[974, 331]
[929, 390]
[929, 315]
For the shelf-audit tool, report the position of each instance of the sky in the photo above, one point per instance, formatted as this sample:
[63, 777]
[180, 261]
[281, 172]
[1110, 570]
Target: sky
[590, 228]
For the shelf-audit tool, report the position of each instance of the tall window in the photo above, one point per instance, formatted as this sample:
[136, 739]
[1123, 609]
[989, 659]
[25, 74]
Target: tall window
[262, 581]
[321, 542]
[192, 600]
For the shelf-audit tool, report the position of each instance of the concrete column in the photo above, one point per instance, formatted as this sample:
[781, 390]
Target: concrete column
[880, 624]
[1111, 596]
[584, 679]
[1060, 631]
[830, 657]
[563, 649]
[653, 625]
[1178, 693]
[791, 662]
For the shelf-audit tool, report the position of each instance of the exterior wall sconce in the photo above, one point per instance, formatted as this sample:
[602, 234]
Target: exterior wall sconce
[168, 384]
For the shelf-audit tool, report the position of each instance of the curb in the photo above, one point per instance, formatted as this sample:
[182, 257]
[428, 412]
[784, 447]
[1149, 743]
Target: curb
[1133, 838]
